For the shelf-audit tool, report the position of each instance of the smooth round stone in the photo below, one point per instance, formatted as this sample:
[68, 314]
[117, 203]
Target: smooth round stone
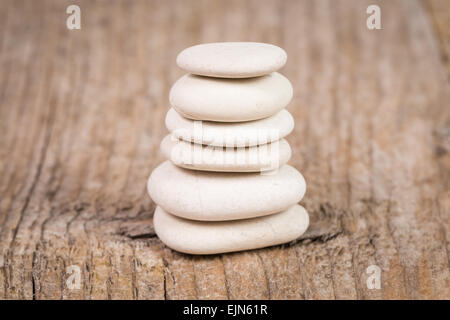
[230, 100]
[202, 237]
[237, 134]
[232, 59]
[251, 159]
[219, 196]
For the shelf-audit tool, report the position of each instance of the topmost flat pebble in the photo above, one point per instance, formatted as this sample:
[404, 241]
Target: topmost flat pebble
[232, 59]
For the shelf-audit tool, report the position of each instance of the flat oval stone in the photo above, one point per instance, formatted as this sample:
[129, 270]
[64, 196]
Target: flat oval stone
[251, 159]
[219, 196]
[230, 100]
[232, 59]
[201, 237]
[237, 134]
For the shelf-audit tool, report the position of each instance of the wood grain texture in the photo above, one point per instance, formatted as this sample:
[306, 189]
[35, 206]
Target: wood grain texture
[81, 119]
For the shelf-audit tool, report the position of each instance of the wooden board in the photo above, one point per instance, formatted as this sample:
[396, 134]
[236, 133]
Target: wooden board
[81, 118]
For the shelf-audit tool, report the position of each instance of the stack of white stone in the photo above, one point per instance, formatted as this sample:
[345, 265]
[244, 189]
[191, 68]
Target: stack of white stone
[226, 185]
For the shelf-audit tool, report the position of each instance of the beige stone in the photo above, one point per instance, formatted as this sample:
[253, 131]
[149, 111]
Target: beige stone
[237, 134]
[216, 196]
[232, 59]
[230, 100]
[201, 237]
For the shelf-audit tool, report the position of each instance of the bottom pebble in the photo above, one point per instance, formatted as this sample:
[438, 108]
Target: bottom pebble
[204, 237]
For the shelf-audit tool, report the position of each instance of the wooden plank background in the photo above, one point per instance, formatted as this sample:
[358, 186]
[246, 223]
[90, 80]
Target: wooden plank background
[81, 118]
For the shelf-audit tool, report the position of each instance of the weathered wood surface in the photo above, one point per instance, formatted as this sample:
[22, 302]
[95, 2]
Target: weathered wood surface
[81, 118]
